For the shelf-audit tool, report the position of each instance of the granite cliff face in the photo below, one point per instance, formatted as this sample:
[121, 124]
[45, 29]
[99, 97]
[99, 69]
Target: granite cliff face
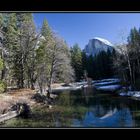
[97, 45]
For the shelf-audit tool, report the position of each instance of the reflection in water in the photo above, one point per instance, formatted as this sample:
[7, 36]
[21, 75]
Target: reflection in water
[109, 114]
[86, 92]
[84, 108]
[103, 110]
[118, 119]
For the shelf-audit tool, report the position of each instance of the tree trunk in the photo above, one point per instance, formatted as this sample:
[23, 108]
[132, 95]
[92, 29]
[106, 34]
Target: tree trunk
[130, 70]
[41, 89]
[50, 80]
[22, 66]
[4, 67]
[49, 91]
[32, 86]
[124, 77]
[28, 82]
[22, 81]
[138, 62]
[134, 78]
[3, 74]
[33, 80]
[49, 87]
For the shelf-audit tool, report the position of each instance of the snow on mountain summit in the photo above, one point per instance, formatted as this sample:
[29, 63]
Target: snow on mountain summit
[104, 41]
[97, 45]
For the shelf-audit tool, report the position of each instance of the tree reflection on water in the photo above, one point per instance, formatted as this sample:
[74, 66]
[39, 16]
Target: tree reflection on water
[84, 108]
[102, 110]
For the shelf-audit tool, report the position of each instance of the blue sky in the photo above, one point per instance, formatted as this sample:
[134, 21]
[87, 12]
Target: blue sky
[80, 27]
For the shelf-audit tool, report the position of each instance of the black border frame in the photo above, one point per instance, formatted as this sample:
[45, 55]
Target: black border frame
[70, 5]
[106, 6]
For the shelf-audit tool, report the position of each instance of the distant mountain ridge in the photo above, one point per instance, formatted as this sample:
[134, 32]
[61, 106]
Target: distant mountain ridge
[97, 45]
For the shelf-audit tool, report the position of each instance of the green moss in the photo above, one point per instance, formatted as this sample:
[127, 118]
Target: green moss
[44, 117]
[2, 87]
[1, 64]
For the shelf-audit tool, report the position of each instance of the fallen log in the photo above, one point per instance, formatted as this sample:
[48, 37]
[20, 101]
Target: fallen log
[9, 115]
[19, 109]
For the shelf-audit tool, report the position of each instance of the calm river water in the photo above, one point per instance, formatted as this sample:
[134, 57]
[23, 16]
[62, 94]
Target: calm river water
[86, 108]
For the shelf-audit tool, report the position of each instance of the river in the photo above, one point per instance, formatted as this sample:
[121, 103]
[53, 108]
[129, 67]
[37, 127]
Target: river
[84, 108]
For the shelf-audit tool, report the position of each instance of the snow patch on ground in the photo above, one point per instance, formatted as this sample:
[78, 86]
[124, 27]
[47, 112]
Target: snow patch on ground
[68, 88]
[108, 80]
[111, 84]
[79, 83]
[131, 94]
[109, 87]
[105, 83]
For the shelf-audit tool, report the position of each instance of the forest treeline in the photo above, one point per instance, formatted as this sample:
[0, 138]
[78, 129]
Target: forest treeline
[99, 66]
[123, 62]
[30, 56]
[127, 60]
[34, 56]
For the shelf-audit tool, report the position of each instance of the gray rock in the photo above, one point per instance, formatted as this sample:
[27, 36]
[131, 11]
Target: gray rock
[97, 45]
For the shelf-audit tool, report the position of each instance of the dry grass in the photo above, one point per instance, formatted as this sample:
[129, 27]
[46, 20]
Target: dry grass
[20, 96]
[4, 106]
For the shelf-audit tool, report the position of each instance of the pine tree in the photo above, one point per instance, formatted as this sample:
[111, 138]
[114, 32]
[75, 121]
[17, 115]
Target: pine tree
[44, 57]
[90, 66]
[20, 37]
[9, 43]
[1, 21]
[84, 60]
[1, 30]
[30, 54]
[76, 59]
[133, 52]
[53, 59]
[46, 30]
[100, 65]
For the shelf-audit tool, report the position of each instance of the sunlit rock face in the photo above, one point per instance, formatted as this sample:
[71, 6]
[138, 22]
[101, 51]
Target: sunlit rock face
[97, 45]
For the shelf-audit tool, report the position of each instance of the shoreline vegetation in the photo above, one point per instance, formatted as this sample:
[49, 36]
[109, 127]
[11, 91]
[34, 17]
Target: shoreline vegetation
[12, 97]
[39, 110]
[8, 99]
